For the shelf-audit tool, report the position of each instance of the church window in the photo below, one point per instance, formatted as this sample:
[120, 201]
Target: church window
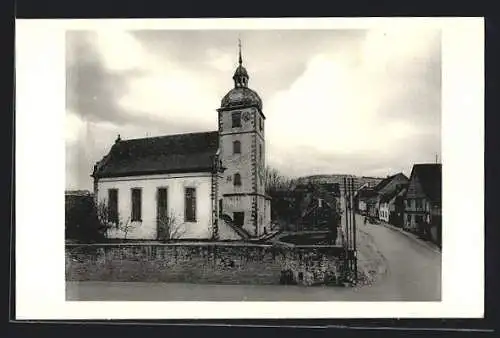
[236, 147]
[260, 124]
[239, 218]
[113, 205]
[237, 179]
[190, 204]
[162, 204]
[136, 205]
[260, 152]
[236, 119]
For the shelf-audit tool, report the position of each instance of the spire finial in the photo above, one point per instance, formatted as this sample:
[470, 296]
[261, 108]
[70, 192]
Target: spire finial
[240, 61]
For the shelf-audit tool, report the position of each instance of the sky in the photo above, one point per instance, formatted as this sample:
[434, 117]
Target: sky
[362, 102]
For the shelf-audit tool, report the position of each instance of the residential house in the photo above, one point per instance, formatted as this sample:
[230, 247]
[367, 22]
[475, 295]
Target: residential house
[319, 206]
[386, 188]
[363, 199]
[392, 207]
[423, 201]
[189, 181]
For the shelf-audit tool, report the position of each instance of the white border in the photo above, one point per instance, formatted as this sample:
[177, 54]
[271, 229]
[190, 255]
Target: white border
[40, 103]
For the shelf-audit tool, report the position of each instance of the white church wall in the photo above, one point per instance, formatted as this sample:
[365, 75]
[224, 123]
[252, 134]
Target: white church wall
[240, 203]
[175, 184]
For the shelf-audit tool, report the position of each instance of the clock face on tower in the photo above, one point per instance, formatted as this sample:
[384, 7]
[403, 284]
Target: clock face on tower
[246, 116]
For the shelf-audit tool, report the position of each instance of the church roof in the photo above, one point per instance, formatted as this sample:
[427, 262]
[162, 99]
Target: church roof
[179, 153]
[241, 96]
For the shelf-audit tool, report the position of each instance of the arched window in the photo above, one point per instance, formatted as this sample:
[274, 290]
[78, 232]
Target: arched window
[237, 179]
[236, 147]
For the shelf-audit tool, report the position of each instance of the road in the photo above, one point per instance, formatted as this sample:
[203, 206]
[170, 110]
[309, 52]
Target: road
[413, 268]
[413, 273]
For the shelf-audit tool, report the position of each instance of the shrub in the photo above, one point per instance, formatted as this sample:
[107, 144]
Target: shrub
[81, 220]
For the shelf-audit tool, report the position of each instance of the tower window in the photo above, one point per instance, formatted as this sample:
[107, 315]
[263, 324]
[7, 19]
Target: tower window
[236, 147]
[236, 119]
[260, 124]
[237, 179]
[260, 151]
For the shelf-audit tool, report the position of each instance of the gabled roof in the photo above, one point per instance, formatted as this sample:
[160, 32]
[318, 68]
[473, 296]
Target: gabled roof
[179, 153]
[429, 177]
[393, 193]
[382, 184]
[366, 192]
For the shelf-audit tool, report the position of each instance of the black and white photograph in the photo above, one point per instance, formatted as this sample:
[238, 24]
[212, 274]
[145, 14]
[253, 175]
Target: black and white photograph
[246, 163]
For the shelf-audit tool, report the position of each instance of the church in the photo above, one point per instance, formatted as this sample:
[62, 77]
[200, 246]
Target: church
[204, 185]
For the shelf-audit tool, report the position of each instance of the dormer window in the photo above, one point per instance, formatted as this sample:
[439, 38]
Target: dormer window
[236, 119]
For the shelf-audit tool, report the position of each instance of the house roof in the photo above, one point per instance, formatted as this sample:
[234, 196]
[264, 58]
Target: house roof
[393, 193]
[366, 192]
[191, 152]
[382, 184]
[429, 177]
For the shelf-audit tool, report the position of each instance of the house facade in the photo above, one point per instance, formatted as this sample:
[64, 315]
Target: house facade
[391, 208]
[363, 199]
[191, 186]
[319, 206]
[384, 190]
[396, 208]
[423, 201]
[384, 209]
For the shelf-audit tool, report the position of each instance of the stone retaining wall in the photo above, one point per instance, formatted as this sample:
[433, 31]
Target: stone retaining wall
[226, 263]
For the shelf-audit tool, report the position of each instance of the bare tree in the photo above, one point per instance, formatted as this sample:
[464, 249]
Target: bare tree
[104, 217]
[108, 222]
[125, 226]
[281, 189]
[275, 181]
[169, 227]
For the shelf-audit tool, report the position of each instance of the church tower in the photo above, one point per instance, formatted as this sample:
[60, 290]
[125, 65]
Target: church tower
[242, 153]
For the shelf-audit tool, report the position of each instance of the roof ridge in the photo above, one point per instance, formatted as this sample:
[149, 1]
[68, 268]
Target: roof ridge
[170, 135]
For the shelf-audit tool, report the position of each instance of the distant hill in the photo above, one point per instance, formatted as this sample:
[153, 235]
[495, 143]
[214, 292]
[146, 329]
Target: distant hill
[339, 178]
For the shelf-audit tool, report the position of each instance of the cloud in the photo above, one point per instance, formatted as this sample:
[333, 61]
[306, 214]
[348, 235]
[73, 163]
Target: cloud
[378, 100]
[92, 88]
[344, 101]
